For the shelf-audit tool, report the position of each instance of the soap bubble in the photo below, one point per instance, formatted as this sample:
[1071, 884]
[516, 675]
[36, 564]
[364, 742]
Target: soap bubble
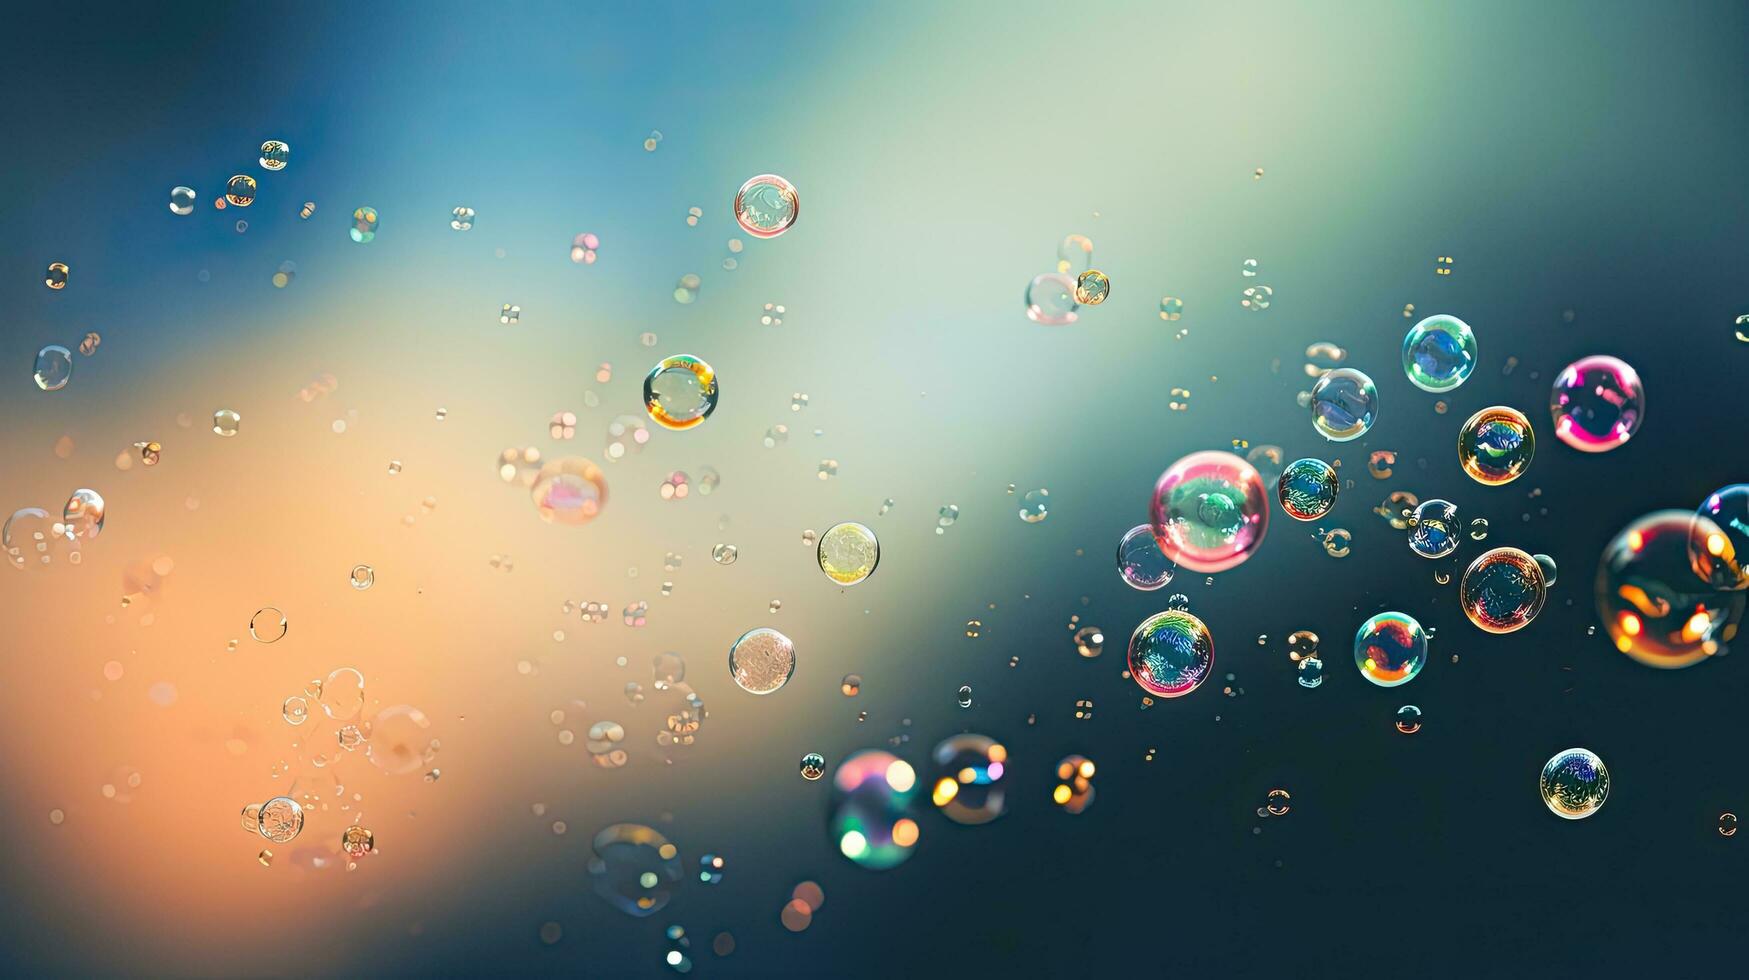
[1439, 353]
[680, 392]
[56, 278]
[1344, 405]
[225, 422]
[1597, 403]
[1050, 300]
[342, 694]
[240, 190]
[1311, 672]
[1171, 653]
[1035, 506]
[569, 491]
[1496, 445]
[274, 155]
[364, 225]
[362, 577]
[1307, 489]
[1574, 783]
[1208, 511]
[870, 821]
[1503, 590]
[762, 660]
[28, 536]
[766, 206]
[1718, 541]
[1408, 719]
[1075, 255]
[182, 200]
[966, 784]
[1547, 564]
[54, 367]
[461, 218]
[1435, 530]
[400, 742]
[634, 868]
[1652, 604]
[813, 766]
[1092, 287]
[1140, 562]
[268, 625]
[1074, 790]
[1390, 649]
[605, 741]
[280, 819]
[848, 553]
[83, 514]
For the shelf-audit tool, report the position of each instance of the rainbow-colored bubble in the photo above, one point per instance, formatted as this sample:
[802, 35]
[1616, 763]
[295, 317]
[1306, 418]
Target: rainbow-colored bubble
[1209, 512]
[1652, 604]
[1503, 590]
[1171, 653]
[1718, 540]
[1597, 403]
[1307, 489]
[680, 392]
[966, 778]
[1439, 353]
[1390, 649]
[1496, 445]
[871, 821]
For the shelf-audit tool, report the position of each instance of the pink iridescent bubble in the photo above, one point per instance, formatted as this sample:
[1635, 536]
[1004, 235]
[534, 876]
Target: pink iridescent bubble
[1597, 403]
[1209, 511]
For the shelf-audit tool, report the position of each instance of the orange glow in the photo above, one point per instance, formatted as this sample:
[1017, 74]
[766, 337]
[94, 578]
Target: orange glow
[1630, 624]
[1061, 794]
[905, 832]
[945, 790]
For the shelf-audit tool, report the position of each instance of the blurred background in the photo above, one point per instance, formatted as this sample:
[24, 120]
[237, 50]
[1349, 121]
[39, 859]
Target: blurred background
[1580, 167]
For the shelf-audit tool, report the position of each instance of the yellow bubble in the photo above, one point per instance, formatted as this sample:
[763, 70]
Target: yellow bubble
[848, 553]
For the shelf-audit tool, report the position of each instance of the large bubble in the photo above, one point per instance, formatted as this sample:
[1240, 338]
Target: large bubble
[1597, 403]
[1171, 653]
[1209, 512]
[1307, 489]
[871, 821]
[1496, 445]
[1140, 563]
[1652, 604]
[1503, 590]
[1718, 540]
[634, 868]
[1574, 783]
[1439, 353]
[1390, 649]
[966, 778]
[1345, 403]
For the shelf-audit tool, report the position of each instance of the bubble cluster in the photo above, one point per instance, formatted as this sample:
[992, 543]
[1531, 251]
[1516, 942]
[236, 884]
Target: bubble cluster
[766, 206]
[762, 660]
[1344, 404]
[1597, 403]
[1390, 649]
[848, 553]
[1439, 353]
[1496, 445]
[1435, 529]
[1653, 605]
[1307, 489]
[680, 392]
[1074, 789]
[1171, 653]
[966, 778]
[1208, 511]
[1574, 783]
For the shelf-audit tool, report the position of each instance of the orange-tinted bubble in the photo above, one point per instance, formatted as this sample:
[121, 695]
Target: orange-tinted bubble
[1496, 445]
[1653, 605]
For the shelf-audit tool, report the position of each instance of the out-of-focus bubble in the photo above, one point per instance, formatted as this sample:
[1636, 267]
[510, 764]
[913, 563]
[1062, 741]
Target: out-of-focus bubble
[710, 871]
[1311, 672]
[634, 868]
[1718, 539]
[295, 710]
[1345, 403]
[1302, 644]
[948, 514]
[1307, 489]
[1653, 605]
[1140, 563]
[1208, 511]
[400, 740]
[583, 248]
[182, 200]
[966, 778]
[268, 625]
[342, 696]
[1390, 649]
[308, 209]
[1727, 824]
[1268, 460]
[88, 346]
[813, 766]
[1256, 298]
[461, 218]
[1089, 641]
[604, 744]
[851, 686]
[150, 452]
[280, 819]
[667, 669]
[1171, 308]
[848, 553]
[83, 514]
[1574, 783]
[1408, 719]
[364, 224]
[357, 841]
[274, 155]
[762, 660]
[1074, 789]
[240, 190]
[1547, 565]
[871, 821]
[725, 554]
[1171, 653]
[626, 435]
[766, 206]
[1502, 591]
[1436, 529]
[569, 491]
[54, 367]
[1439, 353]
[1248, 268]
[964, 696]
[226, 422]
[510, 313]
[1597, 403]
[1050, 300]
[1075, 255]
[680, 392]
[1496, 445]
[1092, 287]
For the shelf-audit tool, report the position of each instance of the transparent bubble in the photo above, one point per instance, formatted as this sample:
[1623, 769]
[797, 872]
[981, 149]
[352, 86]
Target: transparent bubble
[1277, 803]
[1074, 789]
[1089, 641]
[82, 517]
[461, 218]
[182, 200]
[1439, 353]
[1502, 591]
[848, 553]
[362, 577]
[1209, 512]
[400, 739]
[626, 435]
[280, 820]
[225, 422]
[604, 744]
[766, 206]
[725, 554]
[569, 491]
[357, 841]
[295, 710]
[634, 868]
[308, 209]
[1311, 672]
[964, 696]
[54, 367]
[1035, 506]
[1547, 565]
[56, 277]
[667, 669]
[813, 766]
[1727, 824]
[1390, 649]
[1307, 489]
[342, 696]
[871, 820]
[762, 660]
[1718, 539]
[364, 225]
[1496, 445]
[1050, 300]
[1574, 783]
[1092, 287]
[1597, 403]
[680, 392]
[1075, 255]
[1408, 719]
[1171, 308]
[240, 190]
[274, 155]
[1140, 562]
[1435, 529]
[1652, 604]
[1256, 298]
[1171, 653]
[268, 625]
[1345, 403]
[966, 782]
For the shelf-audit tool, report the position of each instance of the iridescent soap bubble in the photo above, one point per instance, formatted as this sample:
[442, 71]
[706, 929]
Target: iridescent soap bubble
[240, 190]
[1574, 783]
[1435, 529]
[569, 491]
[1503, 590]
[1171, 653]
[1140, 562]
[1208, 511]
[1718, 541]
[1652, 604]
[1439, 353]
[1092, 287]
[1597, 403]
[871, 822]
[1075, 255]
[280, 819]
[762, 660]
[1311, 672]
[680, 392]
[274, 155]
[766, 206]
[400, 739]
[634, 868]
[1390, 649]
[813, 766]
[54, 367]
[1307, 489]
[83, 514]
[1050, 300]
[182, 200]
[966, 778]
[848, 553]
[1344, 403]
[1408, 719]
[364, 225]
[1496, 445]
